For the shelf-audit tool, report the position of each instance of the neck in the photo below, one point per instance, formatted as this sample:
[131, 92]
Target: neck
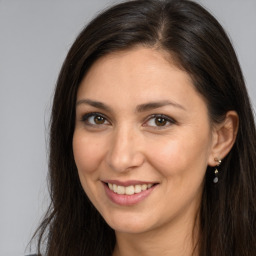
[174, 239]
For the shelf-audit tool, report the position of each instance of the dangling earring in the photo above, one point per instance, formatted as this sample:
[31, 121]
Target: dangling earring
[216, 172]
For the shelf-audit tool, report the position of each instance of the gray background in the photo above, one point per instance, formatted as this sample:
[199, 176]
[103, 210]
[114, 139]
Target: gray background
[35, 36]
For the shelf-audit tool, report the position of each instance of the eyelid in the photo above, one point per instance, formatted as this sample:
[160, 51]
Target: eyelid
[86, 116]
[168, 119]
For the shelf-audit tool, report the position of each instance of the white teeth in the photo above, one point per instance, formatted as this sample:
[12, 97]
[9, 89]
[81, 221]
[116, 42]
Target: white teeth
[137, 188]
[144, 187]
[150, 185]
[129, 190]
[120, 190]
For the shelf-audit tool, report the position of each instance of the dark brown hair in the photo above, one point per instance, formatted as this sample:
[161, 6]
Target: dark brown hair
[199, 45]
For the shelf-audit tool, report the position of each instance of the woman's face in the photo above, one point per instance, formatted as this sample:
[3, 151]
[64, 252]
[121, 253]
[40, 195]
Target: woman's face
[142, 140]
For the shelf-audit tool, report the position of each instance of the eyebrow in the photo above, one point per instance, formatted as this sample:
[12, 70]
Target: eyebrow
[157, 104]
[140, 108]
[96, 104]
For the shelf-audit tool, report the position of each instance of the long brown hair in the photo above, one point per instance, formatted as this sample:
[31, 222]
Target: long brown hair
[199, 45]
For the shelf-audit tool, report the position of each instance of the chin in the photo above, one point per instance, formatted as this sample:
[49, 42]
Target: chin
[130, 228]
[128, 223]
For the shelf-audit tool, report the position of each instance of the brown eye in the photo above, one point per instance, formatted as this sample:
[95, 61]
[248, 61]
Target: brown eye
[94, 119]
[99, 120]
[160, 121]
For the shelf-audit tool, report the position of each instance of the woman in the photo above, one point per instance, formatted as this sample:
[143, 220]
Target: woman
[153, 142]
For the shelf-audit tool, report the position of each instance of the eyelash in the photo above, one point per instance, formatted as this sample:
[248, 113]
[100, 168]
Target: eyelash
[167, 119]
[85, 118]
[170, 121]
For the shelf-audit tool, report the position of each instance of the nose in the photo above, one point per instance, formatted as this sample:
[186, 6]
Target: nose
[125, 152]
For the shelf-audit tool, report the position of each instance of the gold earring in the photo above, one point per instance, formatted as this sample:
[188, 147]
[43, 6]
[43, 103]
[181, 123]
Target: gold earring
[216, 172]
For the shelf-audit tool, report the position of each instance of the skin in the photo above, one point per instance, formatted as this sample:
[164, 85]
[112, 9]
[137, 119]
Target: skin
[128, 144]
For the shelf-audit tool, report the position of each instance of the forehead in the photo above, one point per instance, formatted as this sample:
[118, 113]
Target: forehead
[135, 76]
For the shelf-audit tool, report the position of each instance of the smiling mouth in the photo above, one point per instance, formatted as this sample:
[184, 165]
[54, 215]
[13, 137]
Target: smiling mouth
[129, 190]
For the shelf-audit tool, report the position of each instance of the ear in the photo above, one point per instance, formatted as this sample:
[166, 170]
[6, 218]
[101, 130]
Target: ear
[224, 136]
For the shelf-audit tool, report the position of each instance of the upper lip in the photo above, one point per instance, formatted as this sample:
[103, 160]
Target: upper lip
[128, 182]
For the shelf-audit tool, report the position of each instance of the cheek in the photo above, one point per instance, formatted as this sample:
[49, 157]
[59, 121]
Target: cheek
[87, 153]
[168, 158]
[180, 155]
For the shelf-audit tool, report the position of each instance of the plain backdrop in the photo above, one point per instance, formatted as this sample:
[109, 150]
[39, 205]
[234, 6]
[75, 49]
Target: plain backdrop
[35, 36]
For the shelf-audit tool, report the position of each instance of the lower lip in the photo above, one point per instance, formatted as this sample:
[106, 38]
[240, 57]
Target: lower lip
[126, 200]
